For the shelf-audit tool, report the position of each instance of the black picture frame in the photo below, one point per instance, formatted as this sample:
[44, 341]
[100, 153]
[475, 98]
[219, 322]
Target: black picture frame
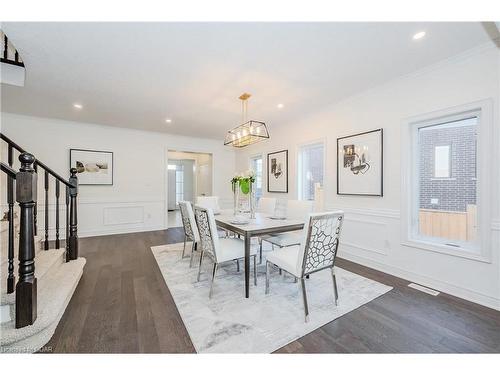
[381, 130]
[269, 169]
[71, 150]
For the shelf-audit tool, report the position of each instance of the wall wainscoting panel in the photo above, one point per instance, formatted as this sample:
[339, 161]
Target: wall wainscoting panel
[123, 215]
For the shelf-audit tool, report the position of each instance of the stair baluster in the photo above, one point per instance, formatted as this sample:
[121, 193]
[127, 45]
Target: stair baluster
[46, 185]
[67, 224]
[26, 288]
[11, 279]
[73, 227]
[58, 244]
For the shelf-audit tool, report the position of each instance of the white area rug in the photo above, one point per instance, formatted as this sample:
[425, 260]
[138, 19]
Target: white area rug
[230, 323]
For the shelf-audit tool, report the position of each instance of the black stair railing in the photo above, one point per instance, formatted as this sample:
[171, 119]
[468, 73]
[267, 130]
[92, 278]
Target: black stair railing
[25, 193]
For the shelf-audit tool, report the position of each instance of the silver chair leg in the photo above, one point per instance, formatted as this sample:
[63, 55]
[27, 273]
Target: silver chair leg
[304, 297]
[267, 277]
[335, 290]
[213, 280]
[193, 248]
[237, 265]
[255, 270]
[260, 246]
[184, 248]
[199, 267]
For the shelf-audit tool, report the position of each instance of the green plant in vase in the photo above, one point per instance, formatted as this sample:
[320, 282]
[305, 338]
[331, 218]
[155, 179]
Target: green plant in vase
[242, 183]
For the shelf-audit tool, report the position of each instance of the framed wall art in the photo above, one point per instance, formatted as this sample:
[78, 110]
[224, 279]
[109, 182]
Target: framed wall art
[277, 172]
[360, 164]
[92, 167]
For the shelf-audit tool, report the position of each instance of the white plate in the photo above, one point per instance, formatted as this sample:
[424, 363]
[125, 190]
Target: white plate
[238, 222]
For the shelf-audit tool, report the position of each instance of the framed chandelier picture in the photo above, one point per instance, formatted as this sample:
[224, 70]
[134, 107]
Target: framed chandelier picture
[277, 172]
[360, 164]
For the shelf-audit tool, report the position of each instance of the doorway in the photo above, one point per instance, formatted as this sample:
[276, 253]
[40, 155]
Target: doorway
[189, 174]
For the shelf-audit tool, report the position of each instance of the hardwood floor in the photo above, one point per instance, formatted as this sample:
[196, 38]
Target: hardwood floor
[122, 305]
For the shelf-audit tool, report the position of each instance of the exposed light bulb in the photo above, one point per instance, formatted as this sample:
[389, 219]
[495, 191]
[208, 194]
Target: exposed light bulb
[419, 35]
[78, 106]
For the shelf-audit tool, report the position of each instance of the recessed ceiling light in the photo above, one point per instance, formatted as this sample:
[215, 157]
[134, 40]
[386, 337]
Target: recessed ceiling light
[168, 121]
[419, 35]
[78, 106]
[280, 106]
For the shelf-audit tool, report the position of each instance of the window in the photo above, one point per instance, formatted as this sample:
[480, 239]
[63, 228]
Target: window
[256, 165]
[310, 169]
[445, 209]
[442, 162]
[179, 184]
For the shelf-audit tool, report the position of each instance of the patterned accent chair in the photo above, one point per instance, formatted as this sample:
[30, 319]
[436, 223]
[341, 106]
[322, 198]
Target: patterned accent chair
[316, 252]
[219, 250]
[190, 228]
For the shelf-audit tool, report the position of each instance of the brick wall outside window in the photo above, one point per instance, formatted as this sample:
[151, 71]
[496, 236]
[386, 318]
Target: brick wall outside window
[456, 192]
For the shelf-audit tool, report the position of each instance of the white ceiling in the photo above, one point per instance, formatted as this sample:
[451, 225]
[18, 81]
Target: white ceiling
[138, 74]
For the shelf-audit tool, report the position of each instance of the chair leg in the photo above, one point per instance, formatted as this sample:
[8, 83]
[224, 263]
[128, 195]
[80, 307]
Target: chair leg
[199, 267]
[237, 265]
[193, 249]
[184, 248]
[255, 270]
[260, 249]
[295, 280]
[304, 297]
[335, 290]
[213, 280]
[267, 277]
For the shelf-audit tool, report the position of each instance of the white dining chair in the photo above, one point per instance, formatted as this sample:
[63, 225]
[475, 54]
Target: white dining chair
[295, 209]
[219, 250]
[208, 202]
[317, 252]
[190, 228]
[266, 205]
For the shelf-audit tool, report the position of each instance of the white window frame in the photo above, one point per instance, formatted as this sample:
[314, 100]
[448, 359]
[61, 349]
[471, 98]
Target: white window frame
[250, 165]
[410, 181]
[299, 163]
[448, 147]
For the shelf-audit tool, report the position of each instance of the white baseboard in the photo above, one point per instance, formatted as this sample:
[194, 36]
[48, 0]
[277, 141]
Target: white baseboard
[467, 294]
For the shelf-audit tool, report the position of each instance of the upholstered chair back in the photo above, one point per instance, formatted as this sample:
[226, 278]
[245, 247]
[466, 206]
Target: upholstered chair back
[298, 209]
[208, 202]
[266, 205]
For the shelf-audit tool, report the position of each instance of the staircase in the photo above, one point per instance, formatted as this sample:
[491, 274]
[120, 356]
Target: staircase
[47, 272]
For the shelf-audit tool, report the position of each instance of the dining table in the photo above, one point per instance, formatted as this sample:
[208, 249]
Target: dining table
[262, 224]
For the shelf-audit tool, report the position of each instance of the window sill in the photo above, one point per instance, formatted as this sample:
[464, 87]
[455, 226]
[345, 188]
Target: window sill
[443, 249]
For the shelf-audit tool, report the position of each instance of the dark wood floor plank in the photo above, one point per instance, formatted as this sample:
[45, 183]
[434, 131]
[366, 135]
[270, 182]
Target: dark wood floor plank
[122, 304]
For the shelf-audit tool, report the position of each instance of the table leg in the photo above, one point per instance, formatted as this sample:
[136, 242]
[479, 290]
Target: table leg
[247, 266]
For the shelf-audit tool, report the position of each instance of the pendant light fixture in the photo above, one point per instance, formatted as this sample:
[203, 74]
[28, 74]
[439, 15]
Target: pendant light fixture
[249, 132]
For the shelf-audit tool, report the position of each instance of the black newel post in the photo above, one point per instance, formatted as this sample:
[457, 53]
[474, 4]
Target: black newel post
[35, 213]
[11, 279]
[26, 191]
[73, 216]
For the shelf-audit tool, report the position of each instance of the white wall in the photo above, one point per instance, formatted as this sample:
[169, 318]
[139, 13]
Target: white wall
[371, 233]
[137, 199]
